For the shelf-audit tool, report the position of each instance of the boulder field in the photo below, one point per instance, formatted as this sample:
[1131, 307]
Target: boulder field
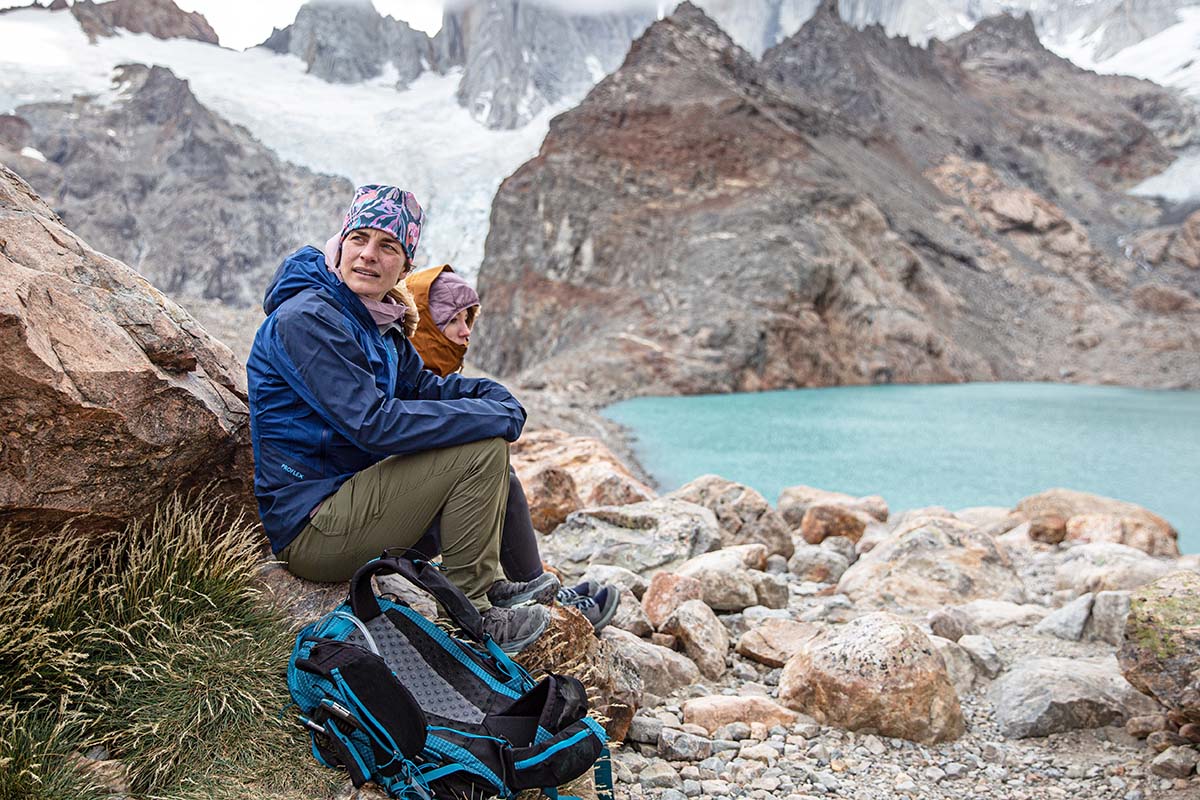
[947, 653]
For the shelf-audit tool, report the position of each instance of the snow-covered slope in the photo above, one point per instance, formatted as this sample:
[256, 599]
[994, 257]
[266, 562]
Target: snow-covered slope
[1169, 58]
[421, 138]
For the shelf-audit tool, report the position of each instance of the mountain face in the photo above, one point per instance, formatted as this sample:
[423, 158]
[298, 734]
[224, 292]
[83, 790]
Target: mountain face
[194, 204]
[349, 42]
[516, 57]
[519, 57]
[854, 209]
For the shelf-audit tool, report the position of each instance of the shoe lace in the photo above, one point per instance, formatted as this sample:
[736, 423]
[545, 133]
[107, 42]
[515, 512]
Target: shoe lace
[568, 596]
[580, 601]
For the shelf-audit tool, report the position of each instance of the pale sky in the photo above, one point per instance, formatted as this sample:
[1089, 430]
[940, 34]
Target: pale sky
[245, 23]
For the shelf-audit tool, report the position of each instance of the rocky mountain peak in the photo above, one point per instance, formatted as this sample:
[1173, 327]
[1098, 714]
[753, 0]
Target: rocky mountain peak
[831, 64]
[1002, 44]
[520, 57]
[348, 42]
[687, 35]
[157, 96]
[161, 19]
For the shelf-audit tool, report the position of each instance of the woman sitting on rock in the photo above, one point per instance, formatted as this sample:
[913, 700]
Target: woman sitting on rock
[357, 449]
[447, 308]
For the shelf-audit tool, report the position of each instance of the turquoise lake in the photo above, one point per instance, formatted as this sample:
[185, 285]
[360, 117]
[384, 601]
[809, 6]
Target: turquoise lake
[961, 445]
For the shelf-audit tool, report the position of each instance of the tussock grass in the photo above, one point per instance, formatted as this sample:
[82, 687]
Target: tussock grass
[152, 643]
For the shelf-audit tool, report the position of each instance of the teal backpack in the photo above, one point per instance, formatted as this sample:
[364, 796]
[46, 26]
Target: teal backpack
[393, 698]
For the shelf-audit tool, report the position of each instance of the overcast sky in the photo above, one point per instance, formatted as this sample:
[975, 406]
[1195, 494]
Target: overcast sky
[245, 23]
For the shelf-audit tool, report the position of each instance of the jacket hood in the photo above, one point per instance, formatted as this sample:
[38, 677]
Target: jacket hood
[302, 270]
[441, 356]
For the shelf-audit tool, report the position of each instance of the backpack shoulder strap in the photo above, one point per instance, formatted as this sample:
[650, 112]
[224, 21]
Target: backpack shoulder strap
[422, 574]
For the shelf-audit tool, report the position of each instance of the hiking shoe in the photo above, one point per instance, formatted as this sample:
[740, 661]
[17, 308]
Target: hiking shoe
[509, 594]
[569, 595]
[514, 629]
[598, 609]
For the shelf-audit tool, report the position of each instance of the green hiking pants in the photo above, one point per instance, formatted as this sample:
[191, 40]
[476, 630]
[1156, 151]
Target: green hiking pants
[392, 503]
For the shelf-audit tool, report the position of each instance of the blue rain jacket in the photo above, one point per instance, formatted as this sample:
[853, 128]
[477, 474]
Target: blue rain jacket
[330, 396]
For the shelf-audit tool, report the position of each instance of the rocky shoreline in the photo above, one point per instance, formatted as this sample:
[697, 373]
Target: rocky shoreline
[825, 646]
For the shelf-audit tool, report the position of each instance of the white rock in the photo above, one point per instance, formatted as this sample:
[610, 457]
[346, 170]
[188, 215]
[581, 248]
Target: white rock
[993, 614]
[1067, 622]
[983, 653]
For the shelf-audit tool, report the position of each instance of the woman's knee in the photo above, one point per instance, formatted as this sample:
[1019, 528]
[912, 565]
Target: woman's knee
[494, 454]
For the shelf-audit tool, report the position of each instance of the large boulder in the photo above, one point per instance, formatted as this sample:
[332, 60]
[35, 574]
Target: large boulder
[1041, 696]
[704, 638]
[1161, 653]
[662, 670]
[931, 562]
[774, 641]
[730, 578]
[1107, 567]
[744, 515]
[667, 592]
[992, 614]
[825, 521]
[640, 537]
[1094, 518]
[794, 502]
[818, 563]
[114, 396]
[563, 473]
[877, 673]
[570, 647]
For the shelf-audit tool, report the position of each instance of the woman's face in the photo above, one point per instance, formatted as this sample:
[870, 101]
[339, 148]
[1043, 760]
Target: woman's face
[458, 330]
[372, 263]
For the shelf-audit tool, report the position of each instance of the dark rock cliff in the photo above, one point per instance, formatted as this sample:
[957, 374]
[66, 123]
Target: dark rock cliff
[192, 202]
[851, 210]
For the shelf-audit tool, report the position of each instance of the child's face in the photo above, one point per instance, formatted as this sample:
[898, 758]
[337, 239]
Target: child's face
[458, 330]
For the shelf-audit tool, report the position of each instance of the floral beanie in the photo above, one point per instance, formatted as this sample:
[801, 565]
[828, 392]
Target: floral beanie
[386, 208]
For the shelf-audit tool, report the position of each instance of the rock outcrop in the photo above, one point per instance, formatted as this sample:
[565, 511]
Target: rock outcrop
[643, 536]
[193, 203]
[348, 42]
[1041, 696]
[878, 674]
[161, 19]
[562, 473]
[931, 562]
[1161, 653]
[886, 206]
[516, 58]
[1093, 518]
[114, 396]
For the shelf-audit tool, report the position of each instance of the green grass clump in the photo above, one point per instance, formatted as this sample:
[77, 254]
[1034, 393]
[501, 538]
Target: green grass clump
[154, 644]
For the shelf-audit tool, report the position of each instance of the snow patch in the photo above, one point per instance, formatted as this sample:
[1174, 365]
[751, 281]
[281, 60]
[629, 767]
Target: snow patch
[420, 138]
[595, 69]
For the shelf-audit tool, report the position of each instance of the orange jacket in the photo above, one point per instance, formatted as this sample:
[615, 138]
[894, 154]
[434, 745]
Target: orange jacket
[440, 355]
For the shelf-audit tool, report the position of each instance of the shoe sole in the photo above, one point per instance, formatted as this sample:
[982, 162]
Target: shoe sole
[537, 595]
